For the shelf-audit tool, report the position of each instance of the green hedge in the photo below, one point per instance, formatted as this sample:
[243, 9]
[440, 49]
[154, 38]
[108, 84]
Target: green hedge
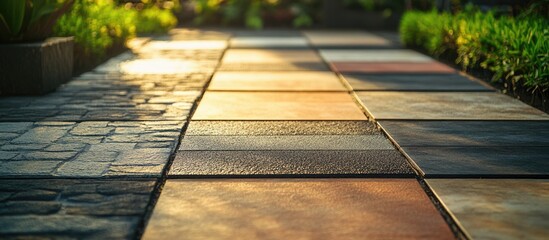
[514, 49]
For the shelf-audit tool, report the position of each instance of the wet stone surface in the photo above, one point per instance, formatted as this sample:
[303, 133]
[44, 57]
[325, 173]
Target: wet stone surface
[86, 149]
[72, 209]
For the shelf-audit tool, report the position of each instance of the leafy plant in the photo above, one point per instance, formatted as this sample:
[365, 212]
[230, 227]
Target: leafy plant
[515, 50]
[155, 20]
[29, 20]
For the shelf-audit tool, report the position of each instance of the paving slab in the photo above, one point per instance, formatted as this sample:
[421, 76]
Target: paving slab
[345, 39]
[90, 149]
[392, 67]
[413, 82]
[468, 133]
[185, 45]
[72, 209]
[272, 128]
[270, 56]
[264, 33]
[374, 55]
[481, 161]
[276, 81]
[277, 106]
[497, 209]
[296, 209]
[388, 163]
[270, 67]
[268, 42]
[295, 142]
[447, 106]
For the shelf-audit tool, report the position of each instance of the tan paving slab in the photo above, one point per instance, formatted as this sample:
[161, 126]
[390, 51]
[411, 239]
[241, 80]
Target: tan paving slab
[373, 55]
[497, 208]
[276, 81]
[295, 209]
[277, 66]
[447, 106]
[269, 56]
[344, 39]
[391, 67]
[277, 106]
[268, 42]
[185, 45]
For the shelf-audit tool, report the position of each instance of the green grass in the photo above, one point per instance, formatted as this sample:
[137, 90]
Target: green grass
[516, 50]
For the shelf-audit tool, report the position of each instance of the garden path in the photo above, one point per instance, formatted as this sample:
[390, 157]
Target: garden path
[273, 134]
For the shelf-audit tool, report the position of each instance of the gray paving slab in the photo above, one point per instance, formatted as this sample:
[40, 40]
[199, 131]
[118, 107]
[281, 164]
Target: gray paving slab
[271, 128]
[295, 142]
[413, 82]
[468, 133]
[373, 55]
[447, 106]
[290, 163]
[295, 209]
[497, 208]
[346, 39]
[72, 209]
[481, 161]
[86, 149]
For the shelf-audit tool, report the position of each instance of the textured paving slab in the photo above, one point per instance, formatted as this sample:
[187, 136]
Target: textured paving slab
[388, 163]
[296, 209]
[296, 142]
[481, 161]
[86, 149]
[276, 81]
[179, 34]
[377, 55]
[448, 106]
[277, 106]
[268, 42]
[391, 68]
[412, 82]
[281, 66]
[272, 128]
[497, 209]
[469, 133]
[345, 39]
[72, 209]
[270, 56]
[264, 33]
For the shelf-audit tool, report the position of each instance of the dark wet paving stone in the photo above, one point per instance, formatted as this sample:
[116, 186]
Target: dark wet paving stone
[294, 142]
[481, 161]
[412, 82]
[72, 209]
[392, 68]
[447, 106]
[296, 209]
[497, 208]
[469, 133]
[272, 128]
[290, 163]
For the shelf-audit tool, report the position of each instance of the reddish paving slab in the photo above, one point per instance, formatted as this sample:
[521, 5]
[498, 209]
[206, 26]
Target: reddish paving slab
[278, 106]
[391, 67]
[276, 81]
[296, 209]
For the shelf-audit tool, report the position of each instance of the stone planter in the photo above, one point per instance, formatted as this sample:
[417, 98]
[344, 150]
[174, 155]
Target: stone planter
[35, 68]
[335, 15]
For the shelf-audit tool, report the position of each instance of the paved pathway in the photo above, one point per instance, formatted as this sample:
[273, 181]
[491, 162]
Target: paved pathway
[306, 135]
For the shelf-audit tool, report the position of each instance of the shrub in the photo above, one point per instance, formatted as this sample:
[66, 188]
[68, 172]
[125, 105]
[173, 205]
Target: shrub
[516, 50]
[155, 20]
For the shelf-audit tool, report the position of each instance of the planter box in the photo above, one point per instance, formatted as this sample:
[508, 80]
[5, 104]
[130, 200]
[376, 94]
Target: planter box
[335, 15]
[35, 68]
